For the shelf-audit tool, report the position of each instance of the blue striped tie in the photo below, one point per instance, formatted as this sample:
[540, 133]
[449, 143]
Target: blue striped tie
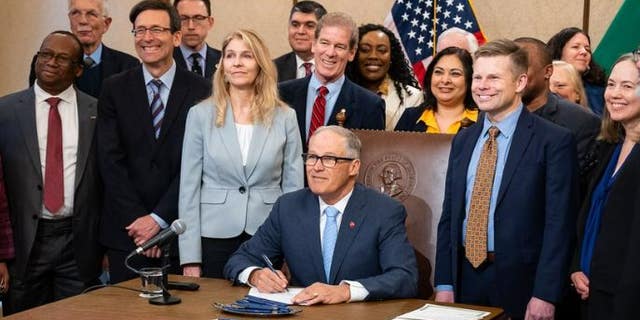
[329, 237]
[157, 107]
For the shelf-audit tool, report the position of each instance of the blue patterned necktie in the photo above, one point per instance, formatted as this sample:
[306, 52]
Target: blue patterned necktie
[329, 237]
[157, 107]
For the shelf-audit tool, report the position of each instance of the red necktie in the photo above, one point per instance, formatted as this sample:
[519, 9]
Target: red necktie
[317, 116]
[307, 68]
[53, 176]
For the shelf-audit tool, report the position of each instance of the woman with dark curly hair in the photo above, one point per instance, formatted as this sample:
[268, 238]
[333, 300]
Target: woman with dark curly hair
[448, 104]
[574, 46]
[381, 67]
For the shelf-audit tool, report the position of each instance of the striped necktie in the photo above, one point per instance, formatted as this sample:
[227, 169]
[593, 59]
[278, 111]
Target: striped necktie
[317, 114]
[157, 107]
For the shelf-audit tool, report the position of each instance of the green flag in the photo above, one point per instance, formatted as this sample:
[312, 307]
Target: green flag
[621, 37]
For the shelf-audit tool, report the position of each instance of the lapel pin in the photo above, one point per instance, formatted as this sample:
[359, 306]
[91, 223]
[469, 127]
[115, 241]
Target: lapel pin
[341, 117]
[352, 225]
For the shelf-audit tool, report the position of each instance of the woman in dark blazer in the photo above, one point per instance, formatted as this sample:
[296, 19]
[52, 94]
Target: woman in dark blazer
[448, 104]
[607, 261]
[242, 150]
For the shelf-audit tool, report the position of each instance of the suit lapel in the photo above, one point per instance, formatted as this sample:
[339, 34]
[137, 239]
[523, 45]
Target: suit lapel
[459, 180]
[300, 105]
[229, 139]
[140, 104]
[179, 59]
[87, 113]
[521, 137]
[108, 68]
[258, 141]
[352, 220]
[310, 223]
[26, 115]
[345, 101]
[177, 95]
[212, 59]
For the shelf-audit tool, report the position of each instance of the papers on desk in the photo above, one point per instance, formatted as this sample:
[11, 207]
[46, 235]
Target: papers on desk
[282, 297]
[437, 312]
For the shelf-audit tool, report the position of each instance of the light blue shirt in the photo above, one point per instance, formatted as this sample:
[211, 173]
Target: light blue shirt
[96, 55]
[331, 98]
[167, 82]
[186, 54]
[507, 127]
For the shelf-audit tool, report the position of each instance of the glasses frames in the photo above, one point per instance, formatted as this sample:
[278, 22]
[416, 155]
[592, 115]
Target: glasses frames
[327, 161]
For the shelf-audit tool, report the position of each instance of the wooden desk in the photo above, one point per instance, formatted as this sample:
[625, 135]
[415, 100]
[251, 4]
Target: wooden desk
[114, 303]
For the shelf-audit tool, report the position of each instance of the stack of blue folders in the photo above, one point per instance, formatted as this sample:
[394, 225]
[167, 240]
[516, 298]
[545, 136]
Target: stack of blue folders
[250, 305]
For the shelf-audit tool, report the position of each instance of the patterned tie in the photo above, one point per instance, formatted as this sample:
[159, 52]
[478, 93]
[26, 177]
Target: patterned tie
[476, 237]
[307, 68]
[157, 108]
[317, 115]
[195, 64]
[329, 237]
[53, 174]
[89, 62]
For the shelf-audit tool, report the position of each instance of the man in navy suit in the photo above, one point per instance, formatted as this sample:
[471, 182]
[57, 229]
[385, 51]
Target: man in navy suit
[528, 202]
[142, 114]
[194, 54]
[335, 45]
[89, 21]
[341, 240]
[303, 20]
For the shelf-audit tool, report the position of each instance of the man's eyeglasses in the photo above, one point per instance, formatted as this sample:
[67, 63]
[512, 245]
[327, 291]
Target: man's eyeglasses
[46, 56]
[197, 19]
[155, 31]
[327, 161]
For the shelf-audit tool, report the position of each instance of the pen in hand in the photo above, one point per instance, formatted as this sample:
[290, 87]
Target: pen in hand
[270, 266]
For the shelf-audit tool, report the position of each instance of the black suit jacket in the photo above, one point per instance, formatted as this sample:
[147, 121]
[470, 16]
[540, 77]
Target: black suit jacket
[24, 181]
[616, 259]
[364, 110]
[212, 59]
[584, 125]
[409, 120]
[112, 62]
[286, 66]
[141, 174]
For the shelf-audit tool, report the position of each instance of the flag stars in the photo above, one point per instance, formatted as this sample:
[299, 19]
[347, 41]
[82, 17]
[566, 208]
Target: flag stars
[423, 27]
[421, 39]
[418, 51]
[449, 3]
[468, 24]
[429, 3]
[414, 22]
[460, 7]
[447, 14]
[430, 44]
[457, 19]
[411, 34]
[405, 17]
[417, 11]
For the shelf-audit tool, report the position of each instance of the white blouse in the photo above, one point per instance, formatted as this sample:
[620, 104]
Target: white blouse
[245, 132]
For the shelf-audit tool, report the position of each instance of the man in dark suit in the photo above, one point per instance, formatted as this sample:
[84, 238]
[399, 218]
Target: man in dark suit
[539, 100]
[89, 21]
[319, 97]
[193, 53]
[142, 113]
[341, 241]
[7, 250]
[508, 218]
[303, 20]
[52, 181]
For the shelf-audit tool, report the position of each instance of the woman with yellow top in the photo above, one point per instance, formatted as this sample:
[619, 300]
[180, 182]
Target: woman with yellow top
[448, 103]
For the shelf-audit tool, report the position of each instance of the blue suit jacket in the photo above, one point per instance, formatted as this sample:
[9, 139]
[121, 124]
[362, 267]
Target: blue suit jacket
[372, 246]
[534, 216]
[213, 57]
[364, 109]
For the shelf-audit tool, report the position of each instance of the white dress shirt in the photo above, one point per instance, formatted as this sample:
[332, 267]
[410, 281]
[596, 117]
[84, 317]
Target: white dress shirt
[300, 70]
[68, 109]
[244, 132]
[357, 290]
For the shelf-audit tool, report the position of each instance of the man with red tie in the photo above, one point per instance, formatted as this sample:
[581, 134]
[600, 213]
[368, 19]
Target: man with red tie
[321, 96]
[52, 184]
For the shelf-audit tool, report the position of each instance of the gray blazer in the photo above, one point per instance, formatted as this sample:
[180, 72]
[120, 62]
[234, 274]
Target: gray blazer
[221, 198]
[24, 182]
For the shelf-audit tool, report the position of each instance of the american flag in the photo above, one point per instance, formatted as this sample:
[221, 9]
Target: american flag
[417, 23]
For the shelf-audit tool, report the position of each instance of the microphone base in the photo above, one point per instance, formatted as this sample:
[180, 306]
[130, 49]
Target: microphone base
[165, 301]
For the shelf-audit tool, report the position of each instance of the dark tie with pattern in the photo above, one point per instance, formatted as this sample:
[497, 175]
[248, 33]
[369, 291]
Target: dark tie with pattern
[89, 62]
[307, 68]
[317, 115]
[157, 107]
[476, 236]
[53, 176]
[195, 64]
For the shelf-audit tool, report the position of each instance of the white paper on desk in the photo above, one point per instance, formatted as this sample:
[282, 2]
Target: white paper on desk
[437, 312]
[283, 297]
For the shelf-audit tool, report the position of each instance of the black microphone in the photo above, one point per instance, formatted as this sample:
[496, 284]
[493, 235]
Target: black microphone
[177, 227]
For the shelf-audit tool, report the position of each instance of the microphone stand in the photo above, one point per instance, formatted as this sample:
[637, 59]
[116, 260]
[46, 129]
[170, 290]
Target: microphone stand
[166, 298]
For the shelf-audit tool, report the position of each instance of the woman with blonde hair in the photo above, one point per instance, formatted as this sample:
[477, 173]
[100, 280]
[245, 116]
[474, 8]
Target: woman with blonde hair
[566, 83]
[241, 151]
[606, 264]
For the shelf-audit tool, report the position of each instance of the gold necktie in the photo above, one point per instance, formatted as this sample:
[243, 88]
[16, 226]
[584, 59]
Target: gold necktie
[476, 237]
